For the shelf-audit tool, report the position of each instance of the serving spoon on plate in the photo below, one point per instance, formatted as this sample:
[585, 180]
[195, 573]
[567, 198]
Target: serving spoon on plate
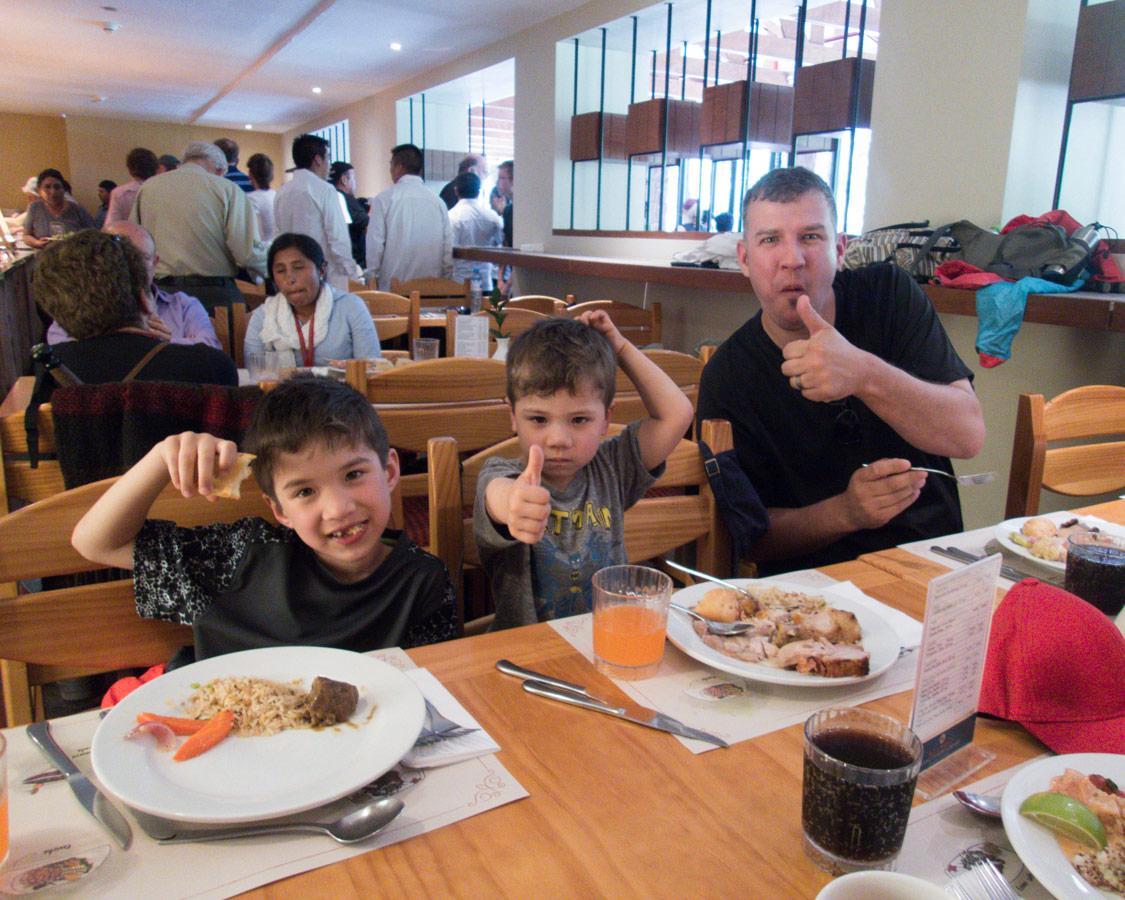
[722, 629]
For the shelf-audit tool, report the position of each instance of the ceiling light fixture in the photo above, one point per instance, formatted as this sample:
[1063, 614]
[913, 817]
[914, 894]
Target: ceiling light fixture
[111, 27]
[396, 46]
[316, 90]
[249, 127]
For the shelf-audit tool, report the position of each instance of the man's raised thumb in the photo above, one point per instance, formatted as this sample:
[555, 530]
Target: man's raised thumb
[531, 474]
[810, 317]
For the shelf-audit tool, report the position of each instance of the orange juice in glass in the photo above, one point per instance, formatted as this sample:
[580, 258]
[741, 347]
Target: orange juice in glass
[630, 618]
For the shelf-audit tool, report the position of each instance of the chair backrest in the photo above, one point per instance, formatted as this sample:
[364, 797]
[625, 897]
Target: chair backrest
[230, 328]
[354, 287]
[20, 481]
[516, 321]
[653, 526]
[549, 306]
[1075, 469]
[87, 628]
[706, 351]
[683, 369]
[255, 294]
[394, 314]
[444, 290]
[641, 326]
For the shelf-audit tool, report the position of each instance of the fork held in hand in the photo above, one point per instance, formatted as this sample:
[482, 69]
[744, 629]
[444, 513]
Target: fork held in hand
[440, 728]
[979, 478]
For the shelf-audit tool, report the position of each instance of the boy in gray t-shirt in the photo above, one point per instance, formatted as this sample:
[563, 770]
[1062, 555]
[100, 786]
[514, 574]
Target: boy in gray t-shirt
[546, 522]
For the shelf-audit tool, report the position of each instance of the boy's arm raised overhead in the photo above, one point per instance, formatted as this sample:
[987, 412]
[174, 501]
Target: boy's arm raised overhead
[521, 504]
[190, 461]
[669, 410]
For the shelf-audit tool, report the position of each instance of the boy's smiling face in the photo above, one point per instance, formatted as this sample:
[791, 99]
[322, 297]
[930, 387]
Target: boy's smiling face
[338, 500]
[569, 427]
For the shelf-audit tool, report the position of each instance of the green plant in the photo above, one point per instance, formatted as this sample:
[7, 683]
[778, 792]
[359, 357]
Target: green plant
[497, 302]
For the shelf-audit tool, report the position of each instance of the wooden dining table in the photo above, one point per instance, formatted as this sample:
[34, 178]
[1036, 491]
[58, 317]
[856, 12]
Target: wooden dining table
[614, 809]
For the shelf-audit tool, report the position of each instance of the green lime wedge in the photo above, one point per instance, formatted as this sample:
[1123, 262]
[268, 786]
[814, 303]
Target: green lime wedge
[1069, 817]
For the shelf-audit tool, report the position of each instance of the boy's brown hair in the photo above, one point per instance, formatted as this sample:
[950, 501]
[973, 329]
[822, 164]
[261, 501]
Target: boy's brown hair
[560, 353]
[308, 408]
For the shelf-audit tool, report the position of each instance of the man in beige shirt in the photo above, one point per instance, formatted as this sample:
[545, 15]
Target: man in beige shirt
[204, 225]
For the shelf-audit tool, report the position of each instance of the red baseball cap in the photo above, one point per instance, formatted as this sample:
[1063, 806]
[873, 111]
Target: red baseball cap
[1054, 665]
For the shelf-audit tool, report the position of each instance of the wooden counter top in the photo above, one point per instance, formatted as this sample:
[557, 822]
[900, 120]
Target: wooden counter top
[1081, 309]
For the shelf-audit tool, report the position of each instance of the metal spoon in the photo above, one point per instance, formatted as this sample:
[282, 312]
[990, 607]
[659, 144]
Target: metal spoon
[980, 803]
[357, 825]
[723, 629]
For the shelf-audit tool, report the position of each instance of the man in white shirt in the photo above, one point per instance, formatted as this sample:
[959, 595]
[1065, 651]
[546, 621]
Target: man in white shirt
[409, 235]
[308, 204]
[473, 225]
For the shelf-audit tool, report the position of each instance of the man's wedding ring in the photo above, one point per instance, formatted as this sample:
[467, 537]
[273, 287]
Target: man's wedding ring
[797, 382]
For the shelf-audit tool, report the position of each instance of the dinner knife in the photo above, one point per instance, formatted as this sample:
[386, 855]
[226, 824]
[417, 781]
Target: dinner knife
[964, 556]
[93, 800]
[510, 668]
[629, 711]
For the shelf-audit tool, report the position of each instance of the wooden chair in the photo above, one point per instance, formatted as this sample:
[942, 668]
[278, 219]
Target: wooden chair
[354, 287]
[682, 368]
[394, 314]
[435, 291]
[1076, 470]
[549, 306]
[706, 351]
[255, 294]
[18, 480]
[81, 630]
[654, 526]
[231, 331]
[641, 326]
[516, 322]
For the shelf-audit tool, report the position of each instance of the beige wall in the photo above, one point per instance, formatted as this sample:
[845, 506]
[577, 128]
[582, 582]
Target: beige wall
[98, 147]
[31, 144]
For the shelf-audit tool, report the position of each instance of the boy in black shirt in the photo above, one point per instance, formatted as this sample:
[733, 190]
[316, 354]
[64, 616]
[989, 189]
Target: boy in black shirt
[329, 576]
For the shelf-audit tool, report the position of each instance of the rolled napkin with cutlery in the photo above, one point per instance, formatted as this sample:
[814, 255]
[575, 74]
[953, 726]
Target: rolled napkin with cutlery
[454, 750]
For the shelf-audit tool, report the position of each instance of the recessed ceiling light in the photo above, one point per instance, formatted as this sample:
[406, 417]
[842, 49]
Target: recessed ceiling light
[249, 127]
[316, 90]
[111, 27]
[396, 46]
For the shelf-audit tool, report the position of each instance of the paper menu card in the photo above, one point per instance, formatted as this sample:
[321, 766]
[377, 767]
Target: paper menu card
[471, 337]
[951, 659]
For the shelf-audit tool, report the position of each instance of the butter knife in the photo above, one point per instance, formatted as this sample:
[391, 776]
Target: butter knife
[93, 800]
[966, 557]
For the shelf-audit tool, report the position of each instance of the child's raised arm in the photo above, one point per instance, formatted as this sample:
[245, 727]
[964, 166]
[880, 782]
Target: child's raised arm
[669, 410]
[190, 461]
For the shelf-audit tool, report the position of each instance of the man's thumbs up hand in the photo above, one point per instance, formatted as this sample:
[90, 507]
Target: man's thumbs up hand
[810, 317]
[825, 366]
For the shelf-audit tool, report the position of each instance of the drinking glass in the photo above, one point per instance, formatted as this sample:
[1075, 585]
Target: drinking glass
[425, 348]
[630, 619]
[1095, 570]
[860, 771]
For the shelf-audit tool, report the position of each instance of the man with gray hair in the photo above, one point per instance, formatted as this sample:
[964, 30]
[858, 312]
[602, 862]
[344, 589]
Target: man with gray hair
[204, 225]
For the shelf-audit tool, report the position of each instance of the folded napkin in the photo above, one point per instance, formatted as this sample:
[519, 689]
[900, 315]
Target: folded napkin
[454, 750]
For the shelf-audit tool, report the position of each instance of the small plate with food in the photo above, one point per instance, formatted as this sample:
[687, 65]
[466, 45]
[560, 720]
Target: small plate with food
[1042, 539]
[1071, 867]
[800, 637]
[310, 725]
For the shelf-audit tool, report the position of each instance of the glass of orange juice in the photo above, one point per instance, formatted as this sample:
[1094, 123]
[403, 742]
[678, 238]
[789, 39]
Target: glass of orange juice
[630, 618]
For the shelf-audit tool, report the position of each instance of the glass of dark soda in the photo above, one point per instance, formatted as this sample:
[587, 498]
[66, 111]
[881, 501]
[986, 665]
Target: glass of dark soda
[860, 771]
[1095, 570]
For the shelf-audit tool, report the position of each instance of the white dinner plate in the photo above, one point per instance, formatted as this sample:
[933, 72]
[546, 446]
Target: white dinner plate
[879, 639]
[1004, 530]
[248, 778]
[1036, 845]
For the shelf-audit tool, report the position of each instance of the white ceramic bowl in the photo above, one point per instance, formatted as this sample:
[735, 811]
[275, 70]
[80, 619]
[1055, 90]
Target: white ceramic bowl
[880, 885]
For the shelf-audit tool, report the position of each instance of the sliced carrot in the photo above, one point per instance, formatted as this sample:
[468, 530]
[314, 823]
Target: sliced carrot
[178, 726]
[217, 728]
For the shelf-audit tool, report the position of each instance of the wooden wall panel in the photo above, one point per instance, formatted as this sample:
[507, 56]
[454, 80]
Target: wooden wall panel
[1098, 69]
[822, 96]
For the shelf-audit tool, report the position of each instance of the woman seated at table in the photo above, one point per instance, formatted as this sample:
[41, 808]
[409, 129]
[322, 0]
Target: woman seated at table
[308, 315]
[53, 214]
[95, 285]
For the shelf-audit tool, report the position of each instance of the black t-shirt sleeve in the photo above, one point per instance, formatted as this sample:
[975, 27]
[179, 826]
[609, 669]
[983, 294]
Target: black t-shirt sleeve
[434, 616]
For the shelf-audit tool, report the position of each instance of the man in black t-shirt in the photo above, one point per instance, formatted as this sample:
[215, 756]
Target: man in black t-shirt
[842, 383]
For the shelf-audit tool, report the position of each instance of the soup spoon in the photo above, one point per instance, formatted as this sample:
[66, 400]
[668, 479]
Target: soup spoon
[723, 629]
[980, 803]
[357, 825]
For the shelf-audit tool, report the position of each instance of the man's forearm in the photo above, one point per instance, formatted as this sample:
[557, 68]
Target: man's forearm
[793, 532]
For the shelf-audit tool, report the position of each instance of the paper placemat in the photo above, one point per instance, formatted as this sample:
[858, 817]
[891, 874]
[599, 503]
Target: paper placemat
[982, 542]
[736, 708]
[49, 826]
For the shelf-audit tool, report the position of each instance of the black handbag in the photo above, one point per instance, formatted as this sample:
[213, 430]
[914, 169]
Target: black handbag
[741, 508]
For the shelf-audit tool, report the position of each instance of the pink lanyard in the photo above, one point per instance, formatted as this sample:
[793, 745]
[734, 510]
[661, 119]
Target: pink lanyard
[306, 352]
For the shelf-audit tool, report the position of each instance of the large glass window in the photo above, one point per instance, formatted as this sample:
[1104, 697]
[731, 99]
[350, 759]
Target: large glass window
[339, 140]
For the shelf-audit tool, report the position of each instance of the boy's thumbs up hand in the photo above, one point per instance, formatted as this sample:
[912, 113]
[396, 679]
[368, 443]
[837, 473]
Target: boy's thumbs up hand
[529, 503]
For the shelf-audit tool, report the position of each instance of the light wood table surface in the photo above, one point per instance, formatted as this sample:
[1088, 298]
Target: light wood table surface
[615, 810]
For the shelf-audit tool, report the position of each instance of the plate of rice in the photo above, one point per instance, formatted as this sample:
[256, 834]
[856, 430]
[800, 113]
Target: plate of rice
[274, 763]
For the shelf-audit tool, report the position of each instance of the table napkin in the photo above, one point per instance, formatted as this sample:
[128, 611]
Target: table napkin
[454, 750]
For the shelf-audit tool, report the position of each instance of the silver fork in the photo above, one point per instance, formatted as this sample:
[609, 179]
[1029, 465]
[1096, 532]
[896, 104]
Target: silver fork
[982, 882]
[440, 728]
[979, 478]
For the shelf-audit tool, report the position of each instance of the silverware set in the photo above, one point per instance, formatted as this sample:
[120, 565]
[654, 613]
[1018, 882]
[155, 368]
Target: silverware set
[965, 557]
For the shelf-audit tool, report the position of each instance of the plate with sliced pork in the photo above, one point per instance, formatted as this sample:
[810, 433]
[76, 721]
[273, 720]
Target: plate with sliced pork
[798, 637]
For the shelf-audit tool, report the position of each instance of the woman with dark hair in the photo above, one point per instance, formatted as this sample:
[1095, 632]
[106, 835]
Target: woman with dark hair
[95, 286]
[260, 169]
[307, 314]
[342, 177]
[53, 214]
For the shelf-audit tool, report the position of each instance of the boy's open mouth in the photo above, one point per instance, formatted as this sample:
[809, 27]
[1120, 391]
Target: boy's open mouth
[349, 534]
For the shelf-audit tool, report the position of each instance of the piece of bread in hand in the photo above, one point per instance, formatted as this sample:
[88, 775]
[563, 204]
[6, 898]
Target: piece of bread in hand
[229, 484]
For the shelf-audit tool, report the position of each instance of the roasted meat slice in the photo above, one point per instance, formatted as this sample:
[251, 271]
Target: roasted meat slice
[837, 626]
[746, 647]
[329, 702]
[816, 657]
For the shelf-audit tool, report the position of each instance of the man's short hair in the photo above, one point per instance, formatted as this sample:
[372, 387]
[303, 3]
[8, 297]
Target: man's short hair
[229, 148]
[141, 163]
[467, 185]
[409, 157]
[724, 222]
[169, 162]
[308, 408]
[787, 185]
[206, 152]
[91, 283]
[306, 148]
[510, 167]
[557, 354]
[337, 171]
[50, 173]
[107, 185]
[260, 168]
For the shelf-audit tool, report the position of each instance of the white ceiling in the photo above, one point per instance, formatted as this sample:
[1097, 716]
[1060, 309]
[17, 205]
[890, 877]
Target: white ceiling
[228, 63]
